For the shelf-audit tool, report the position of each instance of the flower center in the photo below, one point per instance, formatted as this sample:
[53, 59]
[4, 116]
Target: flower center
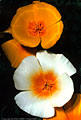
[36, 29]
[44, 84]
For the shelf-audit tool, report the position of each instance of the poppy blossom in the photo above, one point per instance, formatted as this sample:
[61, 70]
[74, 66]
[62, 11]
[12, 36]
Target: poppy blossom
[34, 24]
[45, 83]
[37, 23]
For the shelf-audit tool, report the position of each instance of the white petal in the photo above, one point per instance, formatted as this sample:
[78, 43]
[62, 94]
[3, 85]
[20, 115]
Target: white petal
[65, 65]
[57, 62]
[22, 75]
[65, 92]
[34, 106]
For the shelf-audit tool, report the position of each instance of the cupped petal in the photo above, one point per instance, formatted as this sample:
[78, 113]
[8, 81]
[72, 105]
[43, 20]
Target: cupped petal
[57, 62]
[64, 92]
[22, 75]
[30, 104]
[44, 10]
[21, 31]
[50, 38]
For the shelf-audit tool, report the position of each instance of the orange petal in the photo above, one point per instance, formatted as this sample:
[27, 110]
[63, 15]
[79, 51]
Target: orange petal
[73, 108]
[20, 30]
[20, 26]
[25, 24]
[40, 10]
[60, 115]
[47, 13]
[15, 52]
[52, 35]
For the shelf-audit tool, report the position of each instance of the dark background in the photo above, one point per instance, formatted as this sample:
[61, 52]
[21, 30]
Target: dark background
[69, 45]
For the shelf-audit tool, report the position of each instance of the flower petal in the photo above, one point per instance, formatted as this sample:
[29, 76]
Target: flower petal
[50, 38]
[22, 75]
[30, 104]
[65, 91]
[44, 10]
[60, 115]
[15, 52]
[57, 62]
[21, 33]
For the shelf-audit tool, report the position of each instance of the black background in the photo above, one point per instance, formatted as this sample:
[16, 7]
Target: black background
[69, 45]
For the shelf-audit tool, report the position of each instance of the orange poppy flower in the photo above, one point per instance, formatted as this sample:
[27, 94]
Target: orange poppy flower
[71, 111]
[33, 24]
[37, 23]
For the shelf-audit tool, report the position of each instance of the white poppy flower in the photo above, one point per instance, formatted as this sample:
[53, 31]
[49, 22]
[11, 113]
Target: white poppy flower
[45, 83]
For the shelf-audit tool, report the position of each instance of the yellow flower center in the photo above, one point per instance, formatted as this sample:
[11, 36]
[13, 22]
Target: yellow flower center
[44, 84]
[36, 28]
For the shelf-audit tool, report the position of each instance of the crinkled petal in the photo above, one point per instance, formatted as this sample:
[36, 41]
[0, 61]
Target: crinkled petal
[22, 75]
[57, 62]
[64, 92]
[34, 106]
